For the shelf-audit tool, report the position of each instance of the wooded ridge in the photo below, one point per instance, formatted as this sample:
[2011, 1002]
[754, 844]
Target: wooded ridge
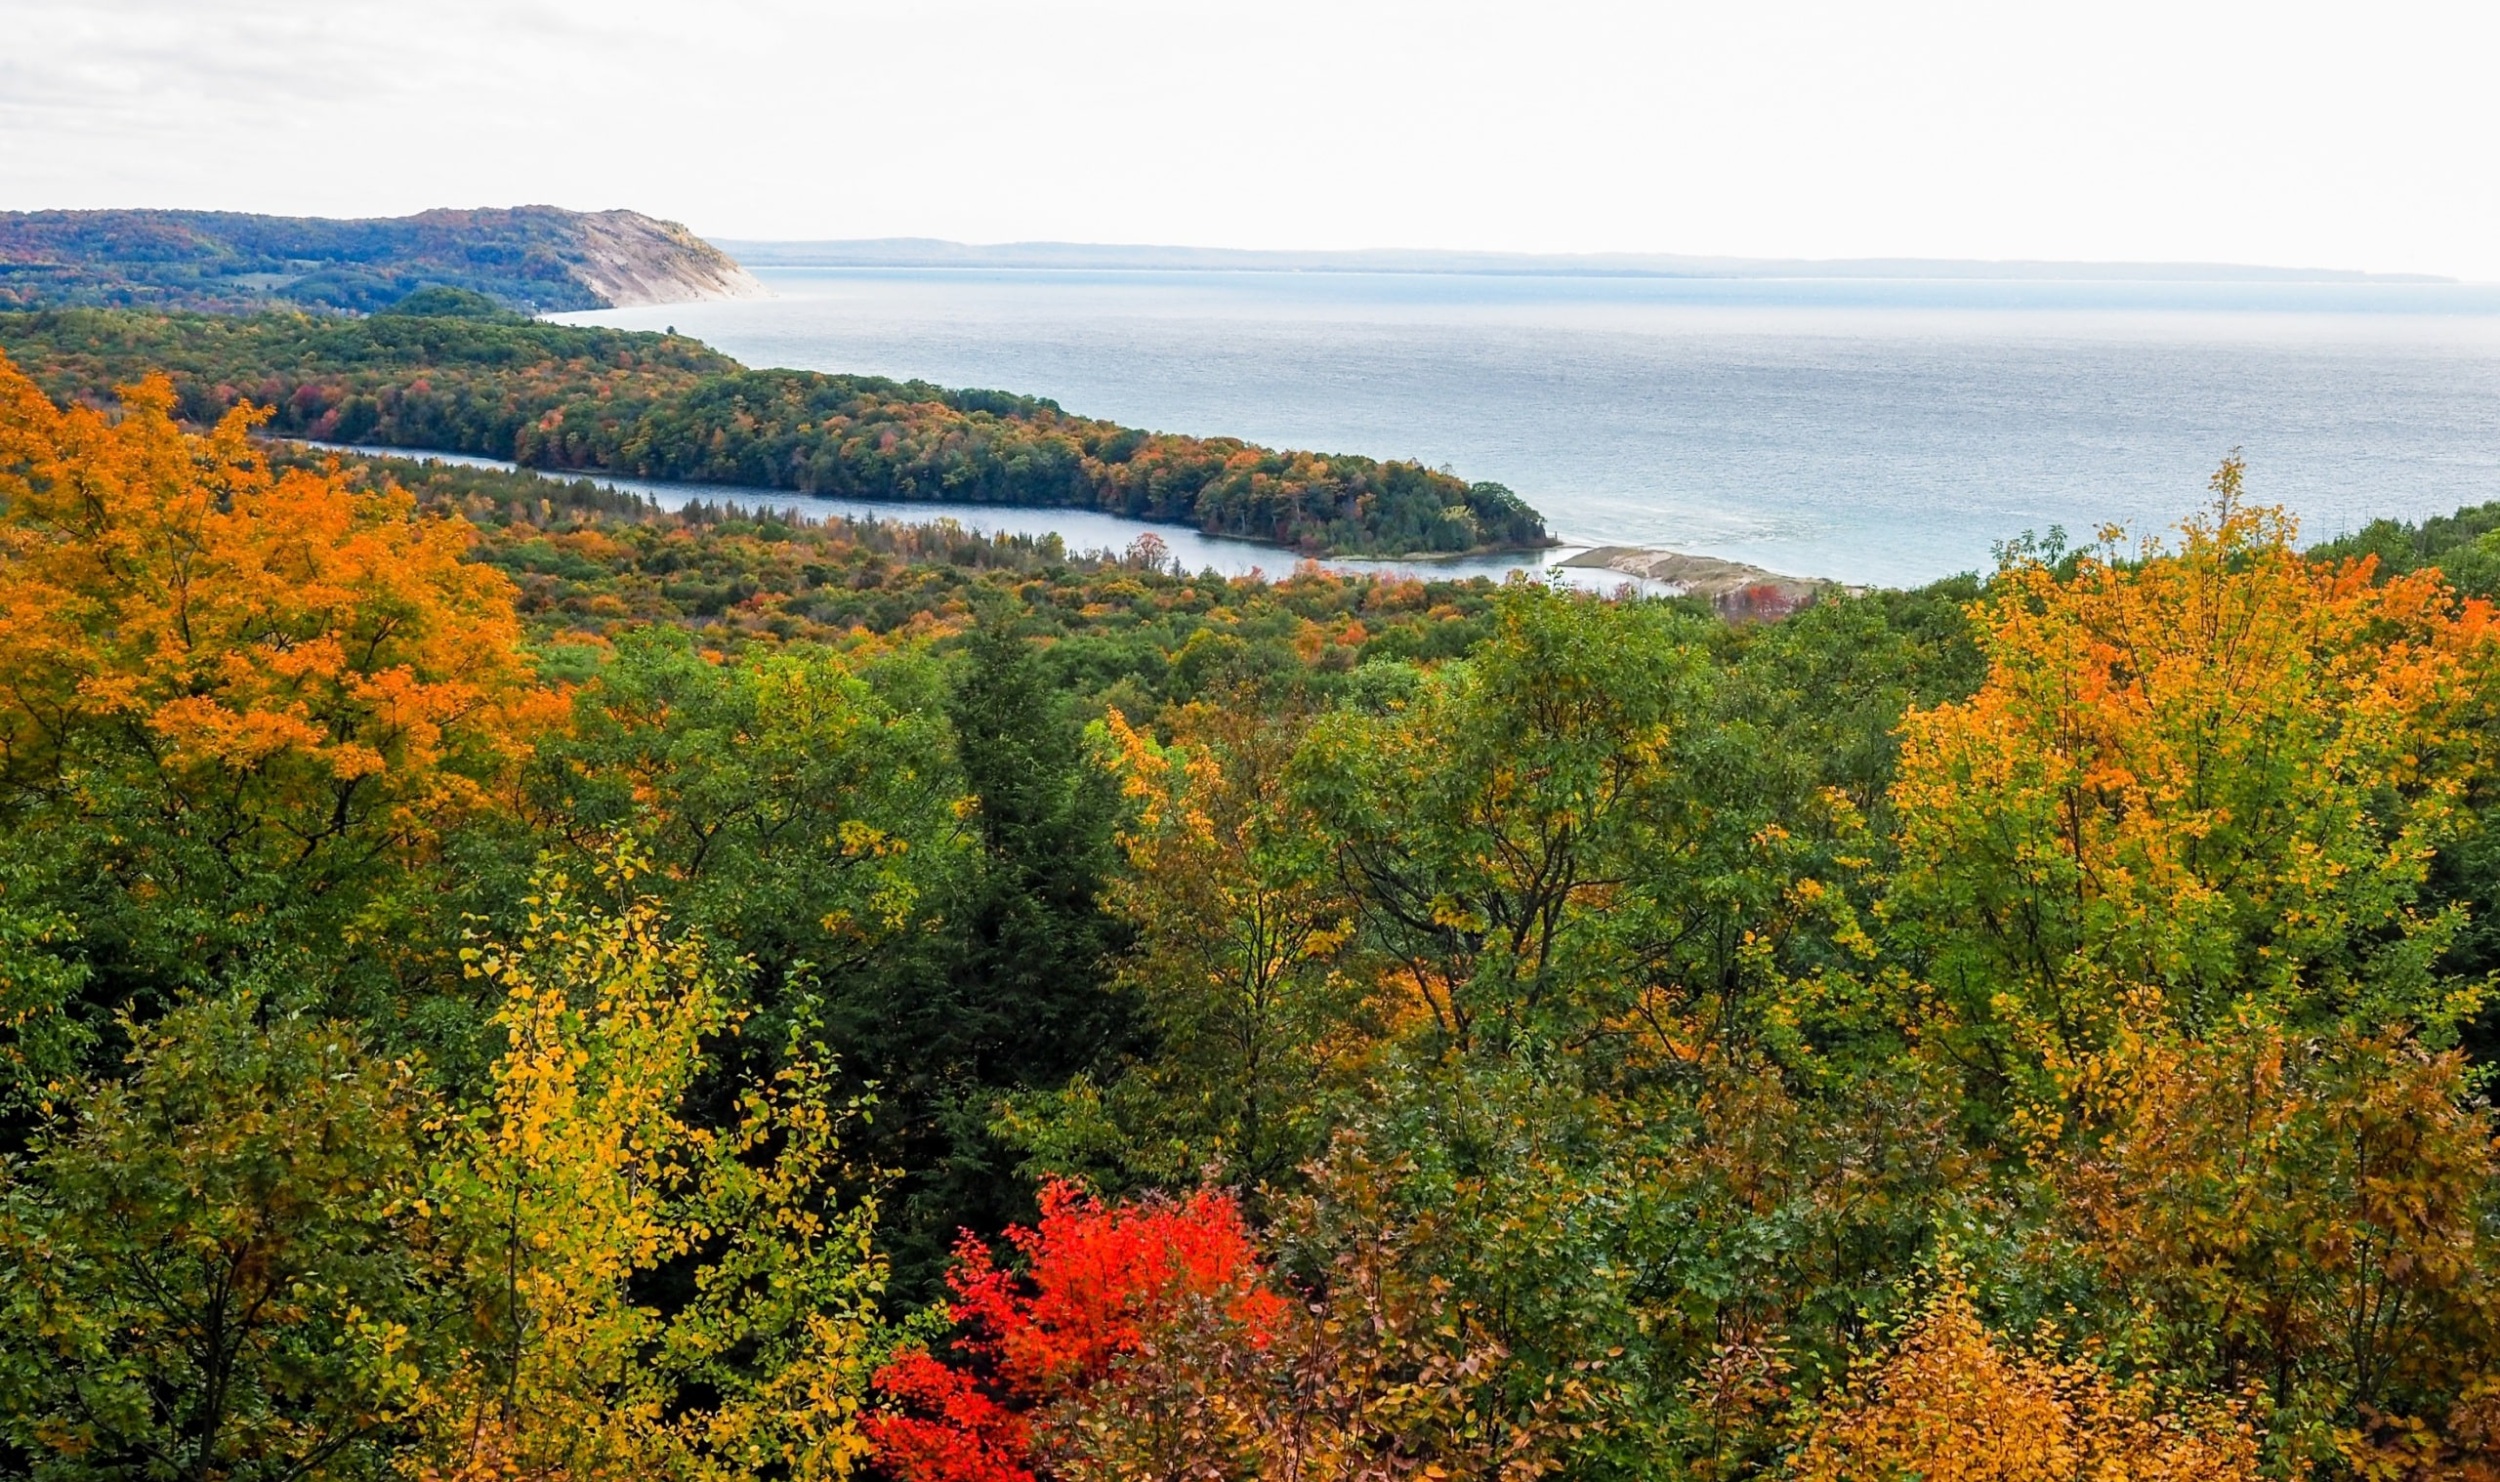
[538, 259]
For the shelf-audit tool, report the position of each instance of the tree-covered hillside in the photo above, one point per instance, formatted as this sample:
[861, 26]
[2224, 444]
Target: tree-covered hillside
[534, 258]
[500, 982]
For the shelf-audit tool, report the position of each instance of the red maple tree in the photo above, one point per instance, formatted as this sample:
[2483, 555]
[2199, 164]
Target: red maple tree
[1100, 1281]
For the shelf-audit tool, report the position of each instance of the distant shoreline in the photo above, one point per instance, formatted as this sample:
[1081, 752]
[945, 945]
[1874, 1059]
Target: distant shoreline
[931, 252]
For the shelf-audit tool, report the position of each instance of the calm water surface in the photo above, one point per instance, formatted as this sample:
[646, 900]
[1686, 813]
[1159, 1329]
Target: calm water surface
[1869, 431]
[1083, 532]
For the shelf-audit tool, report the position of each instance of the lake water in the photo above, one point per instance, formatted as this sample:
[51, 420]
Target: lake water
[1084, 532]
[1871, 431]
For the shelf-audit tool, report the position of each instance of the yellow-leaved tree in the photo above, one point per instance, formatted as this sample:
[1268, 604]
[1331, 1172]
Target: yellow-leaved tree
[589, 1173]
[1950, 1403]
[1239, 919]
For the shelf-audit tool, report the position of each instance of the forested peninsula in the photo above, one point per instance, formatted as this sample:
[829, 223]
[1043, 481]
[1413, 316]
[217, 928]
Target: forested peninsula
[446, 371]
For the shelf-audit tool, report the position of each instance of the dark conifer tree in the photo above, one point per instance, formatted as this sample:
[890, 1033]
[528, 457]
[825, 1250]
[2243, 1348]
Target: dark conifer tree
[1017, 996]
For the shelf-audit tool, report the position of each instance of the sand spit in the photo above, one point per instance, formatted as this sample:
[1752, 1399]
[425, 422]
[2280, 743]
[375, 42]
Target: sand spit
[1736, 589]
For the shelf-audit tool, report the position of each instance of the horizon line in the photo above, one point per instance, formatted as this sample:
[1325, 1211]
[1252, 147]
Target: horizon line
[1043, 253]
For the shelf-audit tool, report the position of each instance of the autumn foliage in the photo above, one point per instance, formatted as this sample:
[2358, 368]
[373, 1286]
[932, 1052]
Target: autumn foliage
[311, 666]
[607, 1021]
[1101, 1282]
[2173, 860]
[1953, 1403]
[2198, 778]
[586, 1174]
[1151, 1339]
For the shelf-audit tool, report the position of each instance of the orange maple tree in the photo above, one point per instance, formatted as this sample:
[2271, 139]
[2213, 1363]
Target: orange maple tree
[285, 662]
[2167, 877]
[2193, 777]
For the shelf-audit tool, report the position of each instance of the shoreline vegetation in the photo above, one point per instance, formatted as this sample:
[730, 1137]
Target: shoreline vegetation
[1734, 590]
[592, 565]
[448, 371]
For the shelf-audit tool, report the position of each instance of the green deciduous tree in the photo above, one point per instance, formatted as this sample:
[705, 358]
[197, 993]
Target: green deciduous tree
[226, 1268]
[1487, 823]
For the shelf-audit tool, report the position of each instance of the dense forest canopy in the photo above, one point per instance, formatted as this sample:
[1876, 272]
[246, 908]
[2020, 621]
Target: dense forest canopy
[660, 406]
[532, 258]
[498, 981]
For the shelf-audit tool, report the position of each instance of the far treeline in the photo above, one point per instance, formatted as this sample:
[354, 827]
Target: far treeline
[447, 371]
[539, 258]
[500, 983]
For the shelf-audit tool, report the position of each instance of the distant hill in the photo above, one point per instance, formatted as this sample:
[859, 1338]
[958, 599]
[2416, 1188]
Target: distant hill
[536, 259]
[917, 252]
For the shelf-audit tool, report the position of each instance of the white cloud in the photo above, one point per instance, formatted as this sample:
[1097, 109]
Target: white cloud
[2278, 132]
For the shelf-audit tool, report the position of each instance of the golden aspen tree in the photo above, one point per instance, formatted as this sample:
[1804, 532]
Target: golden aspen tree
[1949, 1403]
[588, 1173]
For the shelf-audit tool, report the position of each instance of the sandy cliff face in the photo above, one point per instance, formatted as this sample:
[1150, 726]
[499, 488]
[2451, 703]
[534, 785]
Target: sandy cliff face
[623, 258]
[631, 259]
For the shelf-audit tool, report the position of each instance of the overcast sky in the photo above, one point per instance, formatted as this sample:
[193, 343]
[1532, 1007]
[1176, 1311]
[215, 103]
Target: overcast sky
[2356, 135]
